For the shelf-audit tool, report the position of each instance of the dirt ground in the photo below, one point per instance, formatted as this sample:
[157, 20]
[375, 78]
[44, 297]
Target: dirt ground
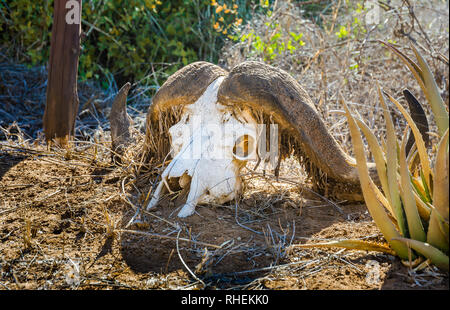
[63, 226]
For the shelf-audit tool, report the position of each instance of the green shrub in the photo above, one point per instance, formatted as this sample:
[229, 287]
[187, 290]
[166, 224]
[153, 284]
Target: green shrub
[129, 39]
[25, 29]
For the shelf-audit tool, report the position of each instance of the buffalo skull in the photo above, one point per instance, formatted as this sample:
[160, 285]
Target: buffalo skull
[189, 117]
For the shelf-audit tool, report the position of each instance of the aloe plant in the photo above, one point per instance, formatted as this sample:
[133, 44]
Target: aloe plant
[411, 207]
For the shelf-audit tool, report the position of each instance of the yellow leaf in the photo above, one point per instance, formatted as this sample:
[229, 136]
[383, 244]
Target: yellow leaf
[351, 244]
[415, 227]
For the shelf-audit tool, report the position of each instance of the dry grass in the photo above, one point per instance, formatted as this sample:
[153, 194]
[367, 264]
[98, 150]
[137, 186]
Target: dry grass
[326, 65]
[64, 217]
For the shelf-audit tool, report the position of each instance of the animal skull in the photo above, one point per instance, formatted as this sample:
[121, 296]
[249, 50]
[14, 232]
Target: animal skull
[209, 146]
[217, 134]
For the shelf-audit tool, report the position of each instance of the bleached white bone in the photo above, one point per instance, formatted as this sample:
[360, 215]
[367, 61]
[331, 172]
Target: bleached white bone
[202, 156]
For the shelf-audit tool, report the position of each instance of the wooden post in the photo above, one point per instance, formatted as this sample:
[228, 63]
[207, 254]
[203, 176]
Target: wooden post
[62, 96]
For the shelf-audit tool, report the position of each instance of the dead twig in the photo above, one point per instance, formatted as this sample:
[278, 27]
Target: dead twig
[184, 264]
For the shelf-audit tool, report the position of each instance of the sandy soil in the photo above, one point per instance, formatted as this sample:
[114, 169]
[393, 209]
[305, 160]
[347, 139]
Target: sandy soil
[62, 223]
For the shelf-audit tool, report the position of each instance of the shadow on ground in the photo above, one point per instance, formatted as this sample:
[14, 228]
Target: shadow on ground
[253, 239]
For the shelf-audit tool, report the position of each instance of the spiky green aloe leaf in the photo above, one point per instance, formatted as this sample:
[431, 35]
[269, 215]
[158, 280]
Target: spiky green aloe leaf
[441, 179]
[422, 207]
[436, 256]
[377, 212]
[415, 226]
[392, 166]
[436, 236]
[378, 155]
[438, 225]
[426, 189]
[383, 200]
[431, 91]
[427, 83]
[420, 190]
[380, 163]
[438, 231]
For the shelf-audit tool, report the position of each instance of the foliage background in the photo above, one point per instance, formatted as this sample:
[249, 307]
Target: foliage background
[129, 39]
[327, 45]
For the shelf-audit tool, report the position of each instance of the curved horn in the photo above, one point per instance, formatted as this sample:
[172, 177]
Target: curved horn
[183, 87]
[186, 85]
[260, 86]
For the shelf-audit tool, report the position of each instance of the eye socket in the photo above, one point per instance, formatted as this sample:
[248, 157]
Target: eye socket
[244, 147]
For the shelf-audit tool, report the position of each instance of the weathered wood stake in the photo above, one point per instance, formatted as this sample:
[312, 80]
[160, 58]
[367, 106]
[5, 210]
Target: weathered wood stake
[62, 96]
